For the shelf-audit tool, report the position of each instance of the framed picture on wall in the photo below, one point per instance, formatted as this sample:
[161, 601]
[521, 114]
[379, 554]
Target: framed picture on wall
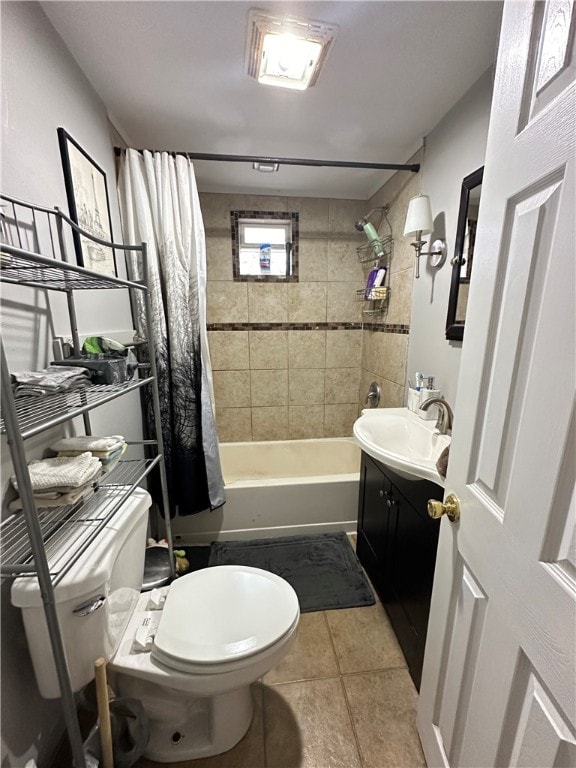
[89, 205]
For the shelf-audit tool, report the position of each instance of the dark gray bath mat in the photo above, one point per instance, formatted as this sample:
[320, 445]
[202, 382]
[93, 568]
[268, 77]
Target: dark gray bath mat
[322, 568]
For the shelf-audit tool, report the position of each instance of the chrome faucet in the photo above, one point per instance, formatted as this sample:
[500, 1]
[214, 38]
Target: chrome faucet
[445, 414]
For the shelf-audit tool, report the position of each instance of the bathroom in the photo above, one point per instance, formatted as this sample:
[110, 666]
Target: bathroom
[280, 397]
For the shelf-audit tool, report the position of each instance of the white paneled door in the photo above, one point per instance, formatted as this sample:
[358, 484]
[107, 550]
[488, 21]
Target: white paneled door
[499, 679]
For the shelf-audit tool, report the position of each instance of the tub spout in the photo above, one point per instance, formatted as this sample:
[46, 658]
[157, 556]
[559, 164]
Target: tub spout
[445, 414]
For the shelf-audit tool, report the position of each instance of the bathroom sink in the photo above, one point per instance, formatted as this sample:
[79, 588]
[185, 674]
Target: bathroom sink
[402, 440]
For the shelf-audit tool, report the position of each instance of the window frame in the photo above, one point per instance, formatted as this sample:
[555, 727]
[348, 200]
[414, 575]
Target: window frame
[263, 217]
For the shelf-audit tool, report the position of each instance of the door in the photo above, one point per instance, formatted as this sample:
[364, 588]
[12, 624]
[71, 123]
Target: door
[499, 679]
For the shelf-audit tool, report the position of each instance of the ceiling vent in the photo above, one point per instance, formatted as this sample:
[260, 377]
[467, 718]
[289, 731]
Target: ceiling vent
[287, 51]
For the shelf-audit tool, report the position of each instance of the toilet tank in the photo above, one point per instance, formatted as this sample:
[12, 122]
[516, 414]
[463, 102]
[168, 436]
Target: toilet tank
[94, 599]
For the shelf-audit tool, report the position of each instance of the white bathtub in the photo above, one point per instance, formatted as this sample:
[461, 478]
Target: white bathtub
[281, 488]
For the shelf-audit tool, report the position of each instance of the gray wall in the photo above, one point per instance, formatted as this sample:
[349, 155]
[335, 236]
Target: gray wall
[42, 89]
[455, 148]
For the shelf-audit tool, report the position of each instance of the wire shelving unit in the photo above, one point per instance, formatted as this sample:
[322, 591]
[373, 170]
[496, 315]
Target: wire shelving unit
[31, 537]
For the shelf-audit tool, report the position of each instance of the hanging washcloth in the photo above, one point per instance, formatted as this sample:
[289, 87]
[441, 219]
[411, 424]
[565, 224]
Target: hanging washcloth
[442, 463]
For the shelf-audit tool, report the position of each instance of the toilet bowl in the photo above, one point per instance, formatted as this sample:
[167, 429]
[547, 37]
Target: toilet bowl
[189, 651]
[192, 650]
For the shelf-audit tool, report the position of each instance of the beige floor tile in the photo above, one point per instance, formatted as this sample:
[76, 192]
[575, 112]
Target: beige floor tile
[248, 753]
[307, 725]
[364, 639]
[383, 707]
[312, 654]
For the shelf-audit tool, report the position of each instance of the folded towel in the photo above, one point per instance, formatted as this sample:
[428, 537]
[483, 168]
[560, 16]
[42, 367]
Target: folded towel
[102, 455]
[70, 446]
[55, 378]
[44, 501]
[108, 459]
[109, 463]
[27, 390]
[66, 472]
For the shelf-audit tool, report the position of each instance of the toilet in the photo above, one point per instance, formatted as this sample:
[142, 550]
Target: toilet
[188, 651]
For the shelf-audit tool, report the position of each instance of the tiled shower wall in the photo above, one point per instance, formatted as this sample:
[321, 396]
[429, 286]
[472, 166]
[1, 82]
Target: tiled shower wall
[286, 357]
[385, 337]
[292, 360]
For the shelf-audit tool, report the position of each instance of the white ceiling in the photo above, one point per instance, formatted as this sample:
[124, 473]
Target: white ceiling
[172, 76]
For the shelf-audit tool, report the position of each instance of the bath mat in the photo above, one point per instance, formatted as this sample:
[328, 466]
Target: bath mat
[197, 557]
[322, 568]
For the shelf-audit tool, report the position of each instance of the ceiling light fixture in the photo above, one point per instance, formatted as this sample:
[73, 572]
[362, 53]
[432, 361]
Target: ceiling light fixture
[265, 167]
[287, 51]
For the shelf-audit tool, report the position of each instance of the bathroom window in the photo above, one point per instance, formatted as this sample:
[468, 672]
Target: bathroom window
[265, 246]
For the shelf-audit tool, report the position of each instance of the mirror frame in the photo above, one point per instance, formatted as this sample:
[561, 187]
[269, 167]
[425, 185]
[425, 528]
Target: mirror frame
[454, 330]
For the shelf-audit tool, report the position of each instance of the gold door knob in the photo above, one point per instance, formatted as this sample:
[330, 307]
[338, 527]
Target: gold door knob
[449, 507]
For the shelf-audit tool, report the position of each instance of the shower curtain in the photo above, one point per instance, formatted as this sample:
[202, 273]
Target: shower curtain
[160, 206]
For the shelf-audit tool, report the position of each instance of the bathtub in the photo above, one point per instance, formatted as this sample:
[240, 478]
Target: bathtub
[280, 488]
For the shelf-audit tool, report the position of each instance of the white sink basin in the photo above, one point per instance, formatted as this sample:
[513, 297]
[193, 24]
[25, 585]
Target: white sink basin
[401, 440]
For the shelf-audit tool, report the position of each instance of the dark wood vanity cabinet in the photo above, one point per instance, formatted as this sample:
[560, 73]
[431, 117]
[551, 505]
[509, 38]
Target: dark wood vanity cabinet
[396, 545]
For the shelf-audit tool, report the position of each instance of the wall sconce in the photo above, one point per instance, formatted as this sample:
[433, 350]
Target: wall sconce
[419, 222]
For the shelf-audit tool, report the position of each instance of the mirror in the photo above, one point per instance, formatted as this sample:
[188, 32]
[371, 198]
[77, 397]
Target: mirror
[463, 259]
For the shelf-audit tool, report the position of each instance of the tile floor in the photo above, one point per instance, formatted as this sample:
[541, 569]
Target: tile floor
[342, 698]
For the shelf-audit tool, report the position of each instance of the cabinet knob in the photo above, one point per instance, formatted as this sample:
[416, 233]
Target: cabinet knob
[449, 507]
[381, 494]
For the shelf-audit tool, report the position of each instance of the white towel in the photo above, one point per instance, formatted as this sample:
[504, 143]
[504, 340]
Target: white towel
[89, 443]
[55, 500]
[62, 472]
[109, 463]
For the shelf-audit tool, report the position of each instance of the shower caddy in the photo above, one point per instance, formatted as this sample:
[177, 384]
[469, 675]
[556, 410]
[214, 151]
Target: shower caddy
[27, 535]
[377, 300]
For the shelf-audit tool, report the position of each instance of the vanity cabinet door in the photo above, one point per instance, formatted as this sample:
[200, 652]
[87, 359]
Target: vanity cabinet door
[373, 520]
[397, 544]
[412, 558]
[415, 544]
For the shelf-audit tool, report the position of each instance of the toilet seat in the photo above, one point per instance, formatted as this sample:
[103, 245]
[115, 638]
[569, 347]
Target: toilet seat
[219, 617]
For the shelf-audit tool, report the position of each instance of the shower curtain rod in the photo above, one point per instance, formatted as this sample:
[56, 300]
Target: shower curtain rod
[414, 167]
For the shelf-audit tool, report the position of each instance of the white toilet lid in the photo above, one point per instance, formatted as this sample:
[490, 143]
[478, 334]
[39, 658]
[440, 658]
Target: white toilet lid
[224, 613]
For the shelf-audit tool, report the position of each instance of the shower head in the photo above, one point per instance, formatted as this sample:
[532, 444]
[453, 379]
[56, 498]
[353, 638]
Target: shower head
[360, 225]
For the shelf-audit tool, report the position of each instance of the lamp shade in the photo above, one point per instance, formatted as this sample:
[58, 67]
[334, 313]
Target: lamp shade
[419, 216]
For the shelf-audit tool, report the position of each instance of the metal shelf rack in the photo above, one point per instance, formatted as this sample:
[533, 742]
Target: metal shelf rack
[376, 302]
[377, 254]
[367, 251]
[30, 537]
[37, 414]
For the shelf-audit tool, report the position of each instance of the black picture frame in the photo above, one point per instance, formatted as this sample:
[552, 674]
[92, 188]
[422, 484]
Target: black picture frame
[88, 204]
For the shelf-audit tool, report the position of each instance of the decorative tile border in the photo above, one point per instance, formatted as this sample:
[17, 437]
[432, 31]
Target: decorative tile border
[380, 327]
[387, 328]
